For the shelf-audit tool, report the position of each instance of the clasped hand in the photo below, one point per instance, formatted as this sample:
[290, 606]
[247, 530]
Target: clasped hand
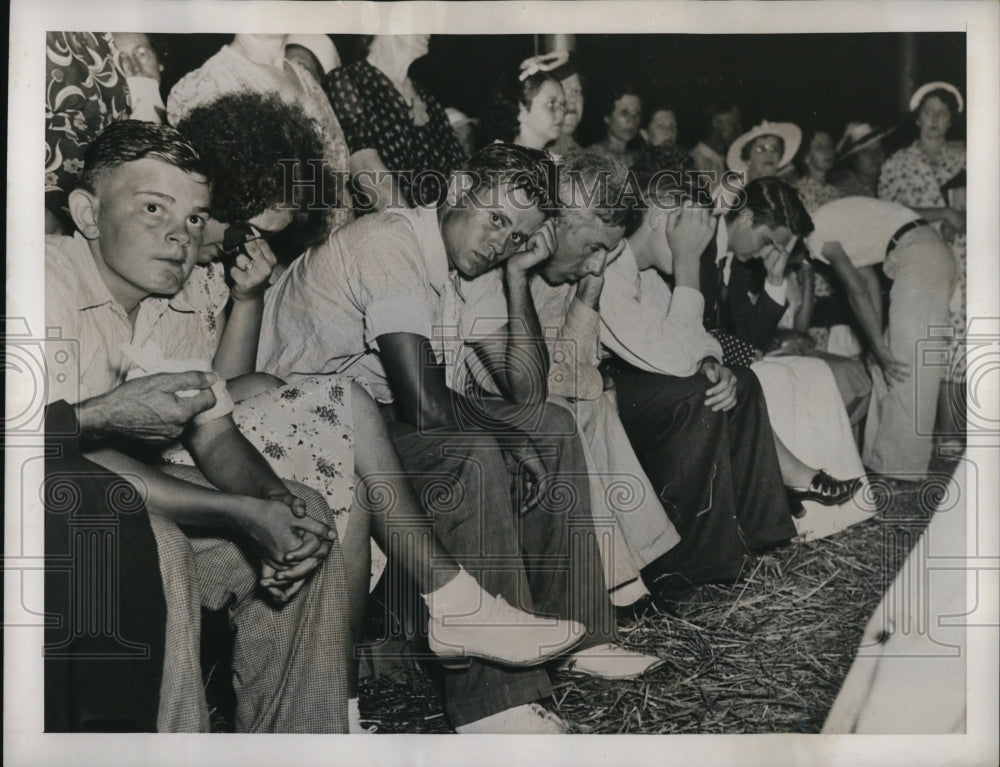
[292, 543]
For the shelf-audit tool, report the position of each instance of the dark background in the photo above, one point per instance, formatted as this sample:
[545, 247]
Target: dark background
[821, 80]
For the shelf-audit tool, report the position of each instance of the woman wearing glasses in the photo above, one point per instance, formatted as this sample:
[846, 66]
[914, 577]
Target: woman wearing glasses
[526, 108]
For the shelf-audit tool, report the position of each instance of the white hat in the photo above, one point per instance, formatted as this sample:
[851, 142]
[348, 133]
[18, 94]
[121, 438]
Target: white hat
[857, 136]
[789, 133]
[923, 90]
[322, 48]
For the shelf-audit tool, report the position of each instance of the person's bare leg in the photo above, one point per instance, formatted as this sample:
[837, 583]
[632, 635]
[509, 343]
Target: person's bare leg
[397, 521]
[794, 473]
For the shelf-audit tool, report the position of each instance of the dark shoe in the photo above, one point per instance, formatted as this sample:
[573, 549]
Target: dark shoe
[824, 489]
[636, 611]
[794, 504]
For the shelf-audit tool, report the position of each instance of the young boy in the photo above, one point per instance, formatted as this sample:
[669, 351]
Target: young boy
[140, 209]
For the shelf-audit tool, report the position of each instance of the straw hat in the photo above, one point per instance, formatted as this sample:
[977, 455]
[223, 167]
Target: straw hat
[923, 90]
[789, 133]
[856, 137]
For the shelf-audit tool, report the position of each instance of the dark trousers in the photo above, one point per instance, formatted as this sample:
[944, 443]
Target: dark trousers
[544, 560]
[104, 604]
[716, 473]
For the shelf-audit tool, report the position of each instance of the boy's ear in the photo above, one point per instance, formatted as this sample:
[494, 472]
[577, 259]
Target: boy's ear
[656, 217]
[745, 217]
[84, 208]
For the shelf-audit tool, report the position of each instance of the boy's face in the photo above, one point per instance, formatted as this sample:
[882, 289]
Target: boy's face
[150, 219]
[749, 242]
[487, 228]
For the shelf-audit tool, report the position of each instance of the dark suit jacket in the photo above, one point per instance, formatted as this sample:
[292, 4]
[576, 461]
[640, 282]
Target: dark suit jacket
[730, 308]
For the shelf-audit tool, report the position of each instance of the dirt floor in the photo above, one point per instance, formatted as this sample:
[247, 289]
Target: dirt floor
[766, 655]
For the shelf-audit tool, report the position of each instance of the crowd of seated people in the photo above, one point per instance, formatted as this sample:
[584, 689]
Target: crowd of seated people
[543, 387]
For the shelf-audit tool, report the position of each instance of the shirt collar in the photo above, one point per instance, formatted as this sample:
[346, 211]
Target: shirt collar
[721, 240]
[92, 291]
[425, 223]
[706, 149]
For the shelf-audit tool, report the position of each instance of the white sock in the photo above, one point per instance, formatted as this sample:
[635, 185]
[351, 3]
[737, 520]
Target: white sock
[354, 716]
[461, 595]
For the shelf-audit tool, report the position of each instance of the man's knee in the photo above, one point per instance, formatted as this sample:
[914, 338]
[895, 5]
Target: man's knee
[747, 385]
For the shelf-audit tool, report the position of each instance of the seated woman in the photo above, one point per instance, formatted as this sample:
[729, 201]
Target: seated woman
[660, 127]
[567, 73]
[525, 108]
[766, 150]
[621, 110]
[392, 123]
[322, 432]
[257, 63]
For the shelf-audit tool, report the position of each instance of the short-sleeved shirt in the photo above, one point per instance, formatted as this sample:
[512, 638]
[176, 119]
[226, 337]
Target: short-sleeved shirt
[863, 226]
[374, 115]
[95, 330]
[384, 273]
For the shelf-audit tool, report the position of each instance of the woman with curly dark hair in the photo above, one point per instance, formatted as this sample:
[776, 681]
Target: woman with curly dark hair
[526, 108]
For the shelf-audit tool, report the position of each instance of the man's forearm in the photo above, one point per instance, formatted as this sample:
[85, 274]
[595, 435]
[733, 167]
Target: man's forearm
[170, 497]
[231, 463]
[526, 365]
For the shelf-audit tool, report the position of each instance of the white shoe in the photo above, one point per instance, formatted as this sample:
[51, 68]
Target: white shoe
[354, 726]
[610, 661]
[503, 634]
[526, 719]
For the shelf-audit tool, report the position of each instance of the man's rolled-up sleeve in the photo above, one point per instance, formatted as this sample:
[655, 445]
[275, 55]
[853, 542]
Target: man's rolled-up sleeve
[391, 288]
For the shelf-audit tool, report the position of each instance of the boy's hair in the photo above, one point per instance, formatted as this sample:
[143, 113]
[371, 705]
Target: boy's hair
[774, 203]
[131, 140]
[514, 167]
[662, 172]
[250, 144]
[602, 180]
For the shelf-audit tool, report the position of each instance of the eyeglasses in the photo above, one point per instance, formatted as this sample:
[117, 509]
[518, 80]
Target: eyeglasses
[763, 148]
[555, 106]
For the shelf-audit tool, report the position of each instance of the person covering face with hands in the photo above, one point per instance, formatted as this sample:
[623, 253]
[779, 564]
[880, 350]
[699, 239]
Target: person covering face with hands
[674, 390]
[565, 290]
